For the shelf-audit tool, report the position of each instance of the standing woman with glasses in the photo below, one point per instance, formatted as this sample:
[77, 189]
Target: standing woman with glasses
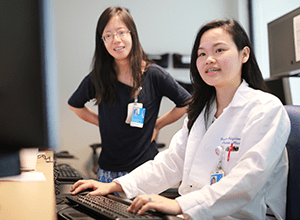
[124, 80]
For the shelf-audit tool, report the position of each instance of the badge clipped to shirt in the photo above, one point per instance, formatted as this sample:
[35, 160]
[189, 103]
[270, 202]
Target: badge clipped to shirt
[138, 116]
[218, 173]
[130, 110]
[135, 112]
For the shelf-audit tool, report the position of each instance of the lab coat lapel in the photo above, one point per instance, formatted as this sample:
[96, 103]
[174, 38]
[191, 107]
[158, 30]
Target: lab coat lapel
[197, 133]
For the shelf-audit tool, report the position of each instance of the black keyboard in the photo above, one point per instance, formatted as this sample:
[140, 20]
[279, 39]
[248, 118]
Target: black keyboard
[68, 173]
[110, 207]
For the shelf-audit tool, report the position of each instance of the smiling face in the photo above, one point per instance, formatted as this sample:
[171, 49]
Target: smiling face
[118, 47]
[219, 62]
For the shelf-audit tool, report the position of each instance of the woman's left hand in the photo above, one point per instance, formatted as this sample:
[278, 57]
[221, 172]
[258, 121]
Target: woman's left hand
[142, 203]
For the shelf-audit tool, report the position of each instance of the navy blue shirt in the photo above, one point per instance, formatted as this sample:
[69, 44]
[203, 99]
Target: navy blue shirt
[125, 147]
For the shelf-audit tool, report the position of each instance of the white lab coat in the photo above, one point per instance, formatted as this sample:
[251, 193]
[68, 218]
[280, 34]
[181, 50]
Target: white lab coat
[255, 175]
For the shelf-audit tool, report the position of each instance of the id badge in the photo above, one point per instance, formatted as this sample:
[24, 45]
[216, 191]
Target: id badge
[138, 116]
[216, 175]
[130, 110]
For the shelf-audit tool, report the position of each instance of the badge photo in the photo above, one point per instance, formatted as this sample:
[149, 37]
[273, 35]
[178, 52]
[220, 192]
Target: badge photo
[216, 175]
[138, 116]
[130, 110]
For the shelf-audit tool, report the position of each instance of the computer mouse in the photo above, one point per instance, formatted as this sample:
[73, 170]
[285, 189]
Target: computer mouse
[86, 191]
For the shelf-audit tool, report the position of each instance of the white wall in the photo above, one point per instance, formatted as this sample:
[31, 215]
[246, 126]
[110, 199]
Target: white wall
[264, 12]
[167, 26]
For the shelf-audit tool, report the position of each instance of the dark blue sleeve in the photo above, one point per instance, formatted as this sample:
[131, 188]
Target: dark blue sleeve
[84, 93]
[169, 87]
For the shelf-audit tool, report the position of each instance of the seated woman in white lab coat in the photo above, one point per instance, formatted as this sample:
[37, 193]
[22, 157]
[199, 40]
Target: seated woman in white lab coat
[230, 154]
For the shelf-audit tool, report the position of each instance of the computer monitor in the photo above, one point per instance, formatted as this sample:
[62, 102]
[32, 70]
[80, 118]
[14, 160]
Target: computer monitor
[280, 87]
[23, 116]
[282, 48]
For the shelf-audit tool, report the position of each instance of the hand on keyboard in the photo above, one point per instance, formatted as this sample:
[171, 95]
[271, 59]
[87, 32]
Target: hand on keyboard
[143, 203]
[98, 187]
[140, 205]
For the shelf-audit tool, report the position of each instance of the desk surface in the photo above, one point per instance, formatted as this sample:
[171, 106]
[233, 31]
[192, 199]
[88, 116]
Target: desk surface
[29, 200]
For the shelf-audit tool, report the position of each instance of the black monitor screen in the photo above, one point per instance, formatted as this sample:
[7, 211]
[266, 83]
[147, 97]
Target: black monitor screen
[280, 87]
[23, 118]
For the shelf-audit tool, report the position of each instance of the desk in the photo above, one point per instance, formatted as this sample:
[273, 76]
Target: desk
[29, 200]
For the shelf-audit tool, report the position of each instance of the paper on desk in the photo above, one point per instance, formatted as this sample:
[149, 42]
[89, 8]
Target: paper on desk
[25, 177]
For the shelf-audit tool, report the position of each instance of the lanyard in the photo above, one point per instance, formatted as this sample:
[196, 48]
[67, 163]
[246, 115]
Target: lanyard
[137, 94]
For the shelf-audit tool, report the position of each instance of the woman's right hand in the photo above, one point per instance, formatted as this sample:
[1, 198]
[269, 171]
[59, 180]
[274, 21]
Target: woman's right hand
[98, 187]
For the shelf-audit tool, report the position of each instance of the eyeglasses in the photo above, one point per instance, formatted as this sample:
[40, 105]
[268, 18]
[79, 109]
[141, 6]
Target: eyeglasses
[109, 37]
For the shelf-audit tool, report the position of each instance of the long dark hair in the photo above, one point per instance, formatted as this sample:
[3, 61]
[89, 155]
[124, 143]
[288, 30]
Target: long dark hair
[203, 94]
[103, 75]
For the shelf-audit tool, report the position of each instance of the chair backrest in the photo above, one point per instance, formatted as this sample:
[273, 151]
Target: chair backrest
[293, 148]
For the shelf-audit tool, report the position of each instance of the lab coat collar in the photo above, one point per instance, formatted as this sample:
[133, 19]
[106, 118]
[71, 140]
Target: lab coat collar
[240, 98]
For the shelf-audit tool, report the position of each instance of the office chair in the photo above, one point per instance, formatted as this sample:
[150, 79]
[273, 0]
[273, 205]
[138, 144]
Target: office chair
[293, 148]
[95, 156]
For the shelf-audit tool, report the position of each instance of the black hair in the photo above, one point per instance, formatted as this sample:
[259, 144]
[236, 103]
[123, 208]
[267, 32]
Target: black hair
[204, 94]
[103, 74]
